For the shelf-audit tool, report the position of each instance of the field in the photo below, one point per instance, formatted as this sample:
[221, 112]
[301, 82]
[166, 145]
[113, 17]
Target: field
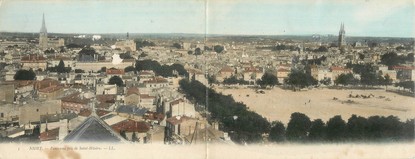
[278, 104]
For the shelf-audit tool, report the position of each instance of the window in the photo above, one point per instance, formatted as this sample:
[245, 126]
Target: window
[37, 110]
[1, 115]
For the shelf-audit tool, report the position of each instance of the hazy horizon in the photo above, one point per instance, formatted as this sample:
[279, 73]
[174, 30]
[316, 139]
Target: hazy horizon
[362, 18]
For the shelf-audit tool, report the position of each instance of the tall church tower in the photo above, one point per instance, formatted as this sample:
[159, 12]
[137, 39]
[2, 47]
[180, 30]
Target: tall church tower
[43, 35]
[342, 40]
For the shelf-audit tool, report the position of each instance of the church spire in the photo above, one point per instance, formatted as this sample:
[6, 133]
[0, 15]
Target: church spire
[43, 28]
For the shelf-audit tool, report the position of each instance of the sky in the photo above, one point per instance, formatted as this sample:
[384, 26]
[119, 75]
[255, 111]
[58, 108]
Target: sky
[385, 18]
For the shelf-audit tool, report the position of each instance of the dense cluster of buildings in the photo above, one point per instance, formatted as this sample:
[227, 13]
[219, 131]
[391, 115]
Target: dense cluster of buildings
[82, 105]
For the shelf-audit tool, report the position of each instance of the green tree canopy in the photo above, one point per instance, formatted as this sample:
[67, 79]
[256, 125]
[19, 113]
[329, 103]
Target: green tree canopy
[177, 45]
[116, 80]
[277, 132]
[268, 79]
[357, 127]
[346, 79]
[317, 130]
[129, 69]
[218, 48]
[25, 75]
[198, 51]
[336, 128]
[61, 67]
[298, 127]
[300, 79]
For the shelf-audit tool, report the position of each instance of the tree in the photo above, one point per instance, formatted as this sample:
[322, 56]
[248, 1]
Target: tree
[407, 85]
[129, 69]
[198, 51]
[346, 79]
[218, 48]
[336, 128]
[234, 80]
[277, 132]
[326, 81]
[25, 75]
[103, 69]
[79, 71]
[190, 52]
[356, 128]
[177, 45]
[317, 130]
[61, 67]
[390, 59]
[361, 56]
[298, 127]
[268, 79]
[368, 79]
[300, 79]
[143, 43]
[116, 80]
[321, 49]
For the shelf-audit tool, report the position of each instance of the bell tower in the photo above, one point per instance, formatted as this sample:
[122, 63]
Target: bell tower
[43, 35]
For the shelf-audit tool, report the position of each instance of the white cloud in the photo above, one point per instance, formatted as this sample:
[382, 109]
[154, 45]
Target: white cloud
[370, 10]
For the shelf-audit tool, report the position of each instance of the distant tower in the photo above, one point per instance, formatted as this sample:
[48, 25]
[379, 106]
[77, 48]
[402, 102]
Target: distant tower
[342, 40]
[128, 36]
[43, 35]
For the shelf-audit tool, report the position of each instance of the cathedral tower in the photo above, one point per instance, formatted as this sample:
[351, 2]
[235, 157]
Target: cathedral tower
[43, 35]
[342, 40]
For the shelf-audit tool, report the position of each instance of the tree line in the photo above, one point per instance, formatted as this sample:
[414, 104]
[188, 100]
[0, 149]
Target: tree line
[374, 128]
[161, 70]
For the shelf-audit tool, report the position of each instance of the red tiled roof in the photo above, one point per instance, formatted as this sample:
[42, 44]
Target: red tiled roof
[154, 116]
[47, 82]
[33, 58]
[85, 112]
[283, 70]
[133, 90]
[50, 89]
[106, 98]
[114, 71]
[75, 98]
[403, 68]
[145, 73]
[131, 126]
[227, 69]
[146, 96]
[52, 134]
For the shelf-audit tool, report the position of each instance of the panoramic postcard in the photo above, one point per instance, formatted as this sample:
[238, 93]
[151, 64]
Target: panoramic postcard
[207, 79]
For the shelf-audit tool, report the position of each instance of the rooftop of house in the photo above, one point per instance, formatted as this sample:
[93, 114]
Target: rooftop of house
[131, 126]
[133, 90]
[51, 89]
[75, 98]
[156, 80]
[93, 129]
[49, 135]
[178, 119]
[56, 117]
[227, 69]
[33, 58]
[131, 109]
